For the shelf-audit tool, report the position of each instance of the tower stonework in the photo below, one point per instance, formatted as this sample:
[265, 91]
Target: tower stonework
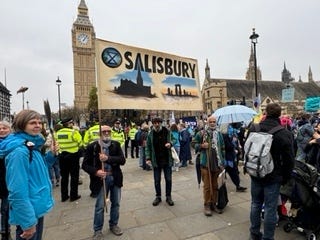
[250, 74]
[83, 48]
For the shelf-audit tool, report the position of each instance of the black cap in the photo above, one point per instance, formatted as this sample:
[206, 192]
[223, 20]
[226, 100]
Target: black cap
[118, 120]
[66, 120]
[157, 119]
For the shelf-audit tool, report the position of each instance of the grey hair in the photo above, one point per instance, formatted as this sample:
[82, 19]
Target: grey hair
[5, 123]
[21, 120]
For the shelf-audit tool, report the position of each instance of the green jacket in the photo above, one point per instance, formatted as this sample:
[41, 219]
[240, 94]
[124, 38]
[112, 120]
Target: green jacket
[198, 140]
[149, 150]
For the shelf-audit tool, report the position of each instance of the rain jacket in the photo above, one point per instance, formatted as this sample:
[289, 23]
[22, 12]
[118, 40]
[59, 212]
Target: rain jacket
[199, 139]
[30, 190]
[150, 152]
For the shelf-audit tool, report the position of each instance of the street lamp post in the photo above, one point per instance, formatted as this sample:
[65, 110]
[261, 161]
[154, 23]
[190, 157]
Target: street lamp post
[22, 90]
[58, 82]
[254, 40]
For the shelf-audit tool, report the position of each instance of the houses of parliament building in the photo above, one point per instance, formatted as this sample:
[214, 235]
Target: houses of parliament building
[216, 92]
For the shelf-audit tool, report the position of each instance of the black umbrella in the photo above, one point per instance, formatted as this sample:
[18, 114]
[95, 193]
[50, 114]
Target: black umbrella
[198, 171]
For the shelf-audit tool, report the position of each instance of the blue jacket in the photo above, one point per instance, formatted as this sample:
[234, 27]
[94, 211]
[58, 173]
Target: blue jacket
[30, 190]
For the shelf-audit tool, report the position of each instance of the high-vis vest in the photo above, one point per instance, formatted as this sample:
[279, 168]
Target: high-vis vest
[69, 140]
[132, 133]
[91, 135]
[118, 135]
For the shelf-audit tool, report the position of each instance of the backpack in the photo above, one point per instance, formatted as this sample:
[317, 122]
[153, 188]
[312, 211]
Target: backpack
[258, 161]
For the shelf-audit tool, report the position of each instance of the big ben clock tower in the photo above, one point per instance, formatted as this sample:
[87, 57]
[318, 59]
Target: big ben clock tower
[83, 47]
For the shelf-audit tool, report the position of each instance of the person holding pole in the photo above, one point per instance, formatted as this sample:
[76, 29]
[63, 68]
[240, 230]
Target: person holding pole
[102, 161]
[209, 142]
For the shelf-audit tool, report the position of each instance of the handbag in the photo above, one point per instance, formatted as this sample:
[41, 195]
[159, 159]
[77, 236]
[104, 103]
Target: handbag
[222, 197]
[175, 156]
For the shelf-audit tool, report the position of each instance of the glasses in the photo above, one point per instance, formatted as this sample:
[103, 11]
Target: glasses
[108, 131]
[212, 121]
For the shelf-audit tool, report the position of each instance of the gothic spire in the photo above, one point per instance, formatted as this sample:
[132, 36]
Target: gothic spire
[207, 71]
[310, 77]
[83, 17]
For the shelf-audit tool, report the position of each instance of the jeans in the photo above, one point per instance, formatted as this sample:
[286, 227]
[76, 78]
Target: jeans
[4, 214]
[115, 197]
[36, 236]
[167, 171]
[54, 171]
[141, 156]
[267, 194]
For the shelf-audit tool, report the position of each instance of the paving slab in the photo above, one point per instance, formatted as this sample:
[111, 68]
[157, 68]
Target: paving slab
[142, 221]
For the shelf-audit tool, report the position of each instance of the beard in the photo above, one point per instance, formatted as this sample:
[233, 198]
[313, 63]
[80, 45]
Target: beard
[106, 139]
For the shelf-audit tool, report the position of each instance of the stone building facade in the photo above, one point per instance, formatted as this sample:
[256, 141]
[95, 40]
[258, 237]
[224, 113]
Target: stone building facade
[4, 103]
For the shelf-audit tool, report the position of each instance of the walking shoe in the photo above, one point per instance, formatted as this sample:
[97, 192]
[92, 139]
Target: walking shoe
[207, 211]
[116, 230]
[190, 162]
[241, 189]
[93, 195]
[57, 183]
[98, 236]
[169, 201]
[217, 210]
[80, 182]
[64, 199]
[156, 201]
[75, 199]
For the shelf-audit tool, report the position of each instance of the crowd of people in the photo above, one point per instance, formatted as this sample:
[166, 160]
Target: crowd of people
[41, 160]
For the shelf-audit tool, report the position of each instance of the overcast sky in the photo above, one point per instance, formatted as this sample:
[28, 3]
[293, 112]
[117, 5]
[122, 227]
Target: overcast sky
[35, 42]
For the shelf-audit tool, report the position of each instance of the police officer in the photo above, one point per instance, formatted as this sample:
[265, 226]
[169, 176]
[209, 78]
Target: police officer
[91, 134]
[70, 142]
[117, 133]
[134, 144]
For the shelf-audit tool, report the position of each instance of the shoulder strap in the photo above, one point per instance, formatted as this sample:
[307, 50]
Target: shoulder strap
[275, 129]
[30, 150]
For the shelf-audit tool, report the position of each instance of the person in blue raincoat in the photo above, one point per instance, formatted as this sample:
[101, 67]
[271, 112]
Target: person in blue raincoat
[27, 178]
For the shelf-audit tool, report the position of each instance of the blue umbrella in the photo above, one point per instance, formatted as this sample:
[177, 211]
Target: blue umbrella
[233, 114]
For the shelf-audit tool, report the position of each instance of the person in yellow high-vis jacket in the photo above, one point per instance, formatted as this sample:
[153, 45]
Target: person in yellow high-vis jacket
[70, 142]
[91, 134]
[134, 144]
[117, 133]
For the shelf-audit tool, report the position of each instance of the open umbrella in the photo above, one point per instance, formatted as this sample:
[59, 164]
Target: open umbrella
[233, 114]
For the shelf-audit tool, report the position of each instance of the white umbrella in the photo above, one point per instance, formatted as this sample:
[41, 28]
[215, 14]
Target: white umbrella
[233, 114]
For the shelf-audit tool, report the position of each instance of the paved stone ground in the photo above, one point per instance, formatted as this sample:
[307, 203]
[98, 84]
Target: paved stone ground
[140, 220]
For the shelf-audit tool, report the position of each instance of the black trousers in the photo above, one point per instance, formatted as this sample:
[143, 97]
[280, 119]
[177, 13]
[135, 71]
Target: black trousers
[134, 146]
[126, 146]
[234, 174]
[69, 166]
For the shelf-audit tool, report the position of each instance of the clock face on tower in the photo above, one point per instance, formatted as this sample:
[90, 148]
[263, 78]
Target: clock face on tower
[83, 39]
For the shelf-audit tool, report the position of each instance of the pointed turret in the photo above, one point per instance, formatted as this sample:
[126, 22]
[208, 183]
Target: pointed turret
[83, 17]
[250, 74]
[207, 71]
[286, 75]
[310, 77]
